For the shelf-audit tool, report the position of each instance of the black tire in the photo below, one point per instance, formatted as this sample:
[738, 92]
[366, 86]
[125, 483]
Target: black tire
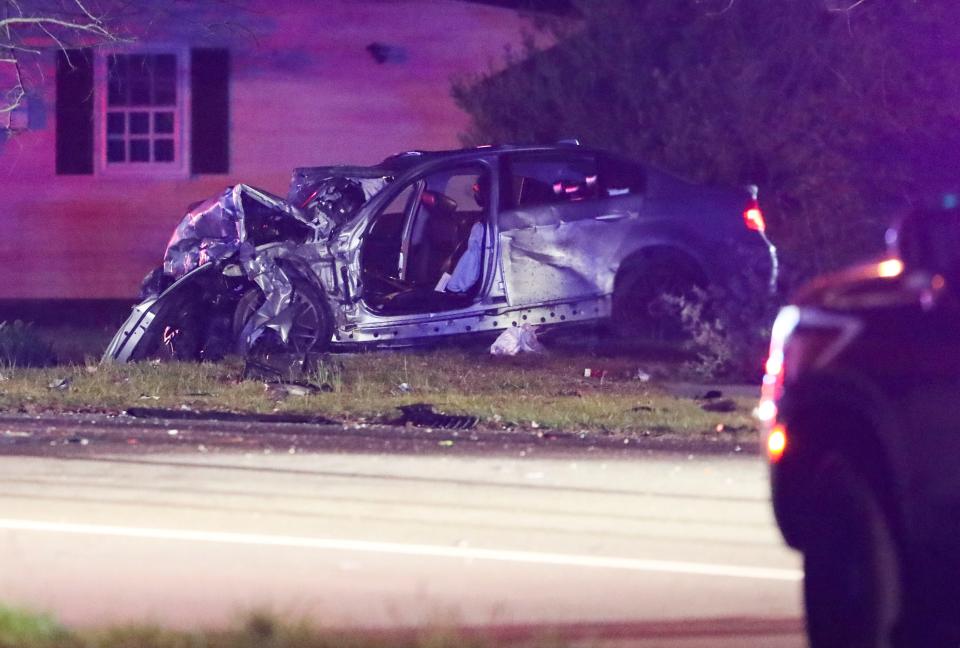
[312, 327]
[853, 567]
[638, 310]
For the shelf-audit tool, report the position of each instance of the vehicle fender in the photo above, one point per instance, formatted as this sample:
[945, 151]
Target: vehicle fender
[137, 330]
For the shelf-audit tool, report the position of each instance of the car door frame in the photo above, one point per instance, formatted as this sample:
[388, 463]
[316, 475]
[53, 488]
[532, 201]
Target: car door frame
[362, 324]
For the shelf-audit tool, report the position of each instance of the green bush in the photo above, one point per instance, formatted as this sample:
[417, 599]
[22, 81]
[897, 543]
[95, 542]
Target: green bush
[727, 335]
[21, 346]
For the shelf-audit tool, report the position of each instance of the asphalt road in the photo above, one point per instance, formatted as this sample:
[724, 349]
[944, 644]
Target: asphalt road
[381, 530]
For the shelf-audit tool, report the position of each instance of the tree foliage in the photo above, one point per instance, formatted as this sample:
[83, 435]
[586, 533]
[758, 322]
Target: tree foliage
[839, 109]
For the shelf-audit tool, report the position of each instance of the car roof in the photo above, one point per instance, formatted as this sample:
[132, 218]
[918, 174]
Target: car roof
[408, 159]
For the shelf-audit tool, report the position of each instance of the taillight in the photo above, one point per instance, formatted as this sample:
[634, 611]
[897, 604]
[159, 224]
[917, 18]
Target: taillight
[792, 354]
[753, 216]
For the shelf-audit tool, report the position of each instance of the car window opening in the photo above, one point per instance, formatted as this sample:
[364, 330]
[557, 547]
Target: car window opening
[424, 251]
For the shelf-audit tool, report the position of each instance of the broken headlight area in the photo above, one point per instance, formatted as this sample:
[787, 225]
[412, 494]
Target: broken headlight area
[334, 193]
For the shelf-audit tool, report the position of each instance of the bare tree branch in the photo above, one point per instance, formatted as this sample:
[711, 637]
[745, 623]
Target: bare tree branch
[41, 21]
[847, 8]
[28, 28]
[86, 12]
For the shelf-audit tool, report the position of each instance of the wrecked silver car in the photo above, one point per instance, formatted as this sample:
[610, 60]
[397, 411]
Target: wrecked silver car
[429, 244]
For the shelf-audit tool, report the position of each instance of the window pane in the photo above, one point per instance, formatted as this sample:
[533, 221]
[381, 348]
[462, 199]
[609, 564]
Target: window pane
[116, 123]
[117, 81]
[140, 74]
[165, 65]
[139, 150]
[143, 134]
[139, 123]
[163, 122]
[163, 150]
[546, 179]
[621, 177]
[116, 150]
[165, 80]
[165, 92]
[139, 92]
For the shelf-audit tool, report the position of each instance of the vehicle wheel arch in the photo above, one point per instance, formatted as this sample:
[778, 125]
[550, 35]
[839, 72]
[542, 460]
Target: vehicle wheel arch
[183, 296]
[641, 278]
[661, 254]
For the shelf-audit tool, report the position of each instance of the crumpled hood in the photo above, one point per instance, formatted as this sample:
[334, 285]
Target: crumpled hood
[238, 220]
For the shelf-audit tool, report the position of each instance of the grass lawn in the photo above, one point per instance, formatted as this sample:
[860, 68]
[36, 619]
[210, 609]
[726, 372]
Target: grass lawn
[532, 391]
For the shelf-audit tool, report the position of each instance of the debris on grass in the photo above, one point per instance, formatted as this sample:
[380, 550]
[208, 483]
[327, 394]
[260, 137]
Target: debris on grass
[283, 390]
[423, 415]
[60, 384]
[217, 415]
[521, 339]
[724, 405]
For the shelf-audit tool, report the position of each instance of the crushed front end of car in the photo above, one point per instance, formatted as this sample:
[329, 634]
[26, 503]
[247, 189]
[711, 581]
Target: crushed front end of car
[246, 270]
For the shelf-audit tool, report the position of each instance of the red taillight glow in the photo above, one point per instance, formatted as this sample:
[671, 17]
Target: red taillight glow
[753, 217]
[776, 442]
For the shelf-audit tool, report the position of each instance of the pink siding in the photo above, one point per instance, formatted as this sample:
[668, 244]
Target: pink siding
[304, 91]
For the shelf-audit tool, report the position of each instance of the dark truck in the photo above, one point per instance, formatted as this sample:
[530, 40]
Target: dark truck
[862, 427]
[434, 244]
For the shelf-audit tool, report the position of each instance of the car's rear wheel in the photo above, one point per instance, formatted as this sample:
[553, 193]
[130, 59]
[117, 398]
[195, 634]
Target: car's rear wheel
[311, 328]
[854, 575]
[649, 296]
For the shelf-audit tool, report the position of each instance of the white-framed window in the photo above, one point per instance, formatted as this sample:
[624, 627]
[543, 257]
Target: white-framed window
[142, 111]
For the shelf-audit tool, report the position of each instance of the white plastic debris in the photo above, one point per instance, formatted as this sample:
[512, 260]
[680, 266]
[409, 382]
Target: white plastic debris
[522, 339]
[642, 376]
[61, 384]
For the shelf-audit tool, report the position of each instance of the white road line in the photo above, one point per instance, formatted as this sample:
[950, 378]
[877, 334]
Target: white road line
[434, 551]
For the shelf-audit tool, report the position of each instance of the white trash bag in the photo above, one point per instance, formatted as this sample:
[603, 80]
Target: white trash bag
[514, 340]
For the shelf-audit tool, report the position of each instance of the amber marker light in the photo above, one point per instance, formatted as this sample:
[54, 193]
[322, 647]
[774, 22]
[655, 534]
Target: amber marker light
[776, 443]
[890, 268]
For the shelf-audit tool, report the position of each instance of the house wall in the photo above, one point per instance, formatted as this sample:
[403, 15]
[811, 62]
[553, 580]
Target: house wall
[303, 91]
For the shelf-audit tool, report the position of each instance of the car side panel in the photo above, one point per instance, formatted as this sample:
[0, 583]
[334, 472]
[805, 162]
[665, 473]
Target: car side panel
[574, 250]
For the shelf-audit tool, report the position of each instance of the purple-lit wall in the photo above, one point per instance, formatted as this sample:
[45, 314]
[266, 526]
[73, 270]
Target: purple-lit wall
[304, 90]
